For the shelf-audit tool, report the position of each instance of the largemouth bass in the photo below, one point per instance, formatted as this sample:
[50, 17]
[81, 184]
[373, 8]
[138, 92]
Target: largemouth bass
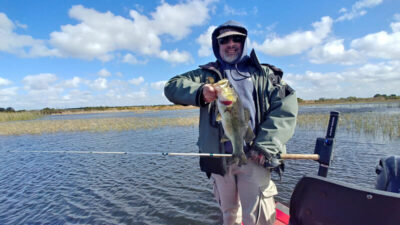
[235, 120]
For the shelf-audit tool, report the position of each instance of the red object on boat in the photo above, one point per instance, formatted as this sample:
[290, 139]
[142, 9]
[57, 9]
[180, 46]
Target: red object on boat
[282, 214]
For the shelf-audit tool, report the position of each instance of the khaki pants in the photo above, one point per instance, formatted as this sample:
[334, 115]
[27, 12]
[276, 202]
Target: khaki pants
[245, 194]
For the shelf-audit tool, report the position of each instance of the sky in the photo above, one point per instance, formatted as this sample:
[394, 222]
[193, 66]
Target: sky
[67, 54]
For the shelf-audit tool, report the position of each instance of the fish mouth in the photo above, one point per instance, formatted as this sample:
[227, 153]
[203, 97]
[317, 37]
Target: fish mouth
[226, 102]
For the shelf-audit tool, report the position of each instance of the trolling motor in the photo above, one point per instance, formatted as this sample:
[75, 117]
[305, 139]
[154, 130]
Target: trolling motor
[323, 152]
[324, 146]
[388, 174]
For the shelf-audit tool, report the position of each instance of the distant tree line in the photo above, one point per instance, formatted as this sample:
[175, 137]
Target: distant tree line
[392, 96]
[43, 111]
[8, 109]
[352, 98]
[49, 111]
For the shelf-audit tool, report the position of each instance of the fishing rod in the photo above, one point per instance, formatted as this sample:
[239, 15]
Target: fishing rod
[282, 156]
[131, 153]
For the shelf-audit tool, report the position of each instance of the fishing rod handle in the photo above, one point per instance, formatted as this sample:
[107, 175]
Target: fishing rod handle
[300, 156]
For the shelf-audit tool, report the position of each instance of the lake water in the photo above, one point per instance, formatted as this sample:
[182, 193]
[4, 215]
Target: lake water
[53, 188]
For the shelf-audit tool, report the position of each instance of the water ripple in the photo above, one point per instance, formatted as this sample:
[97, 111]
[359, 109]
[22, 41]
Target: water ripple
[44, 188]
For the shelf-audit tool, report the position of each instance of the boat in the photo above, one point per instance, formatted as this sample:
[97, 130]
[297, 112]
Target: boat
[318, 200]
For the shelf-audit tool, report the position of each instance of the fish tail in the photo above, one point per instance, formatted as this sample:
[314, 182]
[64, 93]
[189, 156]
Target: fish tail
[242, 159]
[239, 158]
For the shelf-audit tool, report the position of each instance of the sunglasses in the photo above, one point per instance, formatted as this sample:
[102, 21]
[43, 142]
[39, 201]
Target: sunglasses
[235, 38]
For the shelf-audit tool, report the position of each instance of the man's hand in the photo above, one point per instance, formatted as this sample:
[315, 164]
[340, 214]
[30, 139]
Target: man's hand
[209, 93]
[258, 158]
[272, 163]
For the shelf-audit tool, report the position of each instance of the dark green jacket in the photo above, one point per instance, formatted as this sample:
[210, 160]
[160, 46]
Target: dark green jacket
[276, 105]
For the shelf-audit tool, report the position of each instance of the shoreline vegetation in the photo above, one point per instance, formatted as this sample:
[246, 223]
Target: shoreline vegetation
[23, 122]
[12, 115]
[369, 123]
[9, 114]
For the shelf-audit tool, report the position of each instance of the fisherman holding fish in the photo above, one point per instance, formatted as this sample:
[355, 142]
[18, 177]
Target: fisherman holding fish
[245, 109]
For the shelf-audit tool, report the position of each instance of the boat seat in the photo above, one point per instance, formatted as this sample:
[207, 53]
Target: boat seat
[321, 201]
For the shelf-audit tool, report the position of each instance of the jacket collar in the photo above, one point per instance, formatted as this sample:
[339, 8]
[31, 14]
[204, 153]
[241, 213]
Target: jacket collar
[213, 66]
[254, 60]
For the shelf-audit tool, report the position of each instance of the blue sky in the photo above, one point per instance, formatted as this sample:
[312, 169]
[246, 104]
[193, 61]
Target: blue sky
[64, 54]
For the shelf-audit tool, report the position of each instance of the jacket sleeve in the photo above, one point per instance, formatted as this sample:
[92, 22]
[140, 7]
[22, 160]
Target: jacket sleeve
[279, 120]
[186, 89]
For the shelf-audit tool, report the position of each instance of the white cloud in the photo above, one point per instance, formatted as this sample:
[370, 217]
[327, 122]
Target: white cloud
[158, 85]
[316, 79]
[176, 20]
[131, 59]
[205, 42]
[381, 44]
[44, 81]
[175, 56]
[18, 24]
[4, 82]
[45, 97]
[395, 27]
[358, 9]
[296, 42]
[66, 97]
[232, 12]
[73, 83]
[99, 84]
[113, 94]
[136, 81]
[396, 17]
[104, 73]
[76, 98]
[366, 4]
[137, 94]
[44, 90]
[21, 45]
[365, 81]
[11, 91]
[99, 35]
[7, 95]
[334, 52]
[57, 98]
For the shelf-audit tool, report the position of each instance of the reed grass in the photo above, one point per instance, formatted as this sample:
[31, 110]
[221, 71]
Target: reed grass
[369, 123]
[136, 109]
[387, 125]
[14, 116]
[92, 125]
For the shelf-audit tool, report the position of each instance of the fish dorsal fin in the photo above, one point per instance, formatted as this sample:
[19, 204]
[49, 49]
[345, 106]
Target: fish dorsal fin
[249, 132]
[249, 137]
[224, 138]
[210, 80]
[246, 114]
[219, 117]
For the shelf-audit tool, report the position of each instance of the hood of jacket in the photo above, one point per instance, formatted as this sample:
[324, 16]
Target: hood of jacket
[230, 24]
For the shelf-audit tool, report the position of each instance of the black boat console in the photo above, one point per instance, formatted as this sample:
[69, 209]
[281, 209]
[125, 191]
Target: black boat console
[320, 201]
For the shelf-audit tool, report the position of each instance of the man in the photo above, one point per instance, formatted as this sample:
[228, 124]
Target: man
[244, 193]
